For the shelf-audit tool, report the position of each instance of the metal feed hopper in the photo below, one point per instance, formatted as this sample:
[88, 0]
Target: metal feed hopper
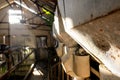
[94, 25]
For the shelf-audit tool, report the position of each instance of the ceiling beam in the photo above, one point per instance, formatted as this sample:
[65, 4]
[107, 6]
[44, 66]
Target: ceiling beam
[5, 4]
[43, 5]
[26, 7]
[8, 3]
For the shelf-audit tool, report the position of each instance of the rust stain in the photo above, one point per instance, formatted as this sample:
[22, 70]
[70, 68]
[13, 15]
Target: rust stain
[113, 57]
[101, 30]
[118, 47]
[117, 32]
[101, 43]
[91, 15]
[118, 55]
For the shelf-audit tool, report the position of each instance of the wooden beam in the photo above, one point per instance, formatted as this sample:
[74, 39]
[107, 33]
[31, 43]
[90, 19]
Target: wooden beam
[5, 4]
[95, 72]
[29, 72]
[8, 3]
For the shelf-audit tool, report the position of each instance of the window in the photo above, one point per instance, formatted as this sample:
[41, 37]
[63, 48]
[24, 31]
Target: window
[15, 16]
[41, 41]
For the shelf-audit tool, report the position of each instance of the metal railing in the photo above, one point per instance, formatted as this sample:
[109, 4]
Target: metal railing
[13, 59]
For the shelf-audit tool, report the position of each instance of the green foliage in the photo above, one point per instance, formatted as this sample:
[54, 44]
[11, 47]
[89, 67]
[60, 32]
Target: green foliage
[50, 17]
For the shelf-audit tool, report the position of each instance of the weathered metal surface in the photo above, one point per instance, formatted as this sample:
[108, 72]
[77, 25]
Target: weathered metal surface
[59, 31]
[105, 74]
[75, 12]
[100, 37]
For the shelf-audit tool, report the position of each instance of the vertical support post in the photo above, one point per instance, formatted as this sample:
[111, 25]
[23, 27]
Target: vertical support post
[62, 74]
[3, 39]
[51, 78]
[59, 69]
[67, 77]
[9, 40]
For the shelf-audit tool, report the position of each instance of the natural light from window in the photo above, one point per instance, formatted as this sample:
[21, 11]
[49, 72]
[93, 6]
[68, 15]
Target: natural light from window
[15, 16]
[37, 72]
